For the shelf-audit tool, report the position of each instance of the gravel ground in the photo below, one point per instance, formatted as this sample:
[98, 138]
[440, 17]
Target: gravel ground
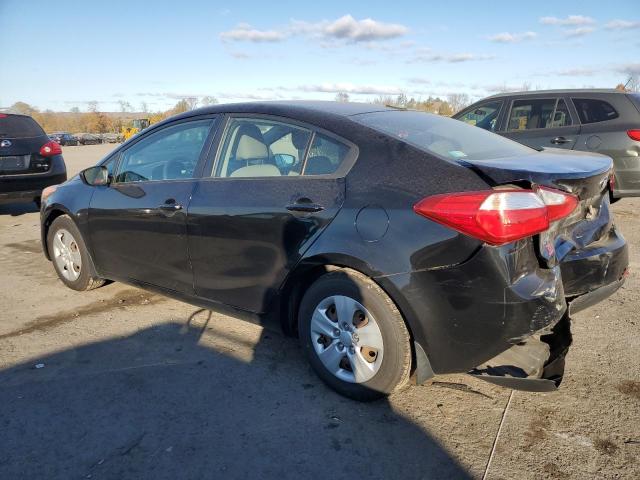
[121, 383]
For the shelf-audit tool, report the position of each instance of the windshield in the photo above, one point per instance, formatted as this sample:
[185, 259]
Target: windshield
[445, 137]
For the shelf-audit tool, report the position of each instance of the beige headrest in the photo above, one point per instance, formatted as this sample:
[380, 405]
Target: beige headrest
[250, 148]
[264, 170]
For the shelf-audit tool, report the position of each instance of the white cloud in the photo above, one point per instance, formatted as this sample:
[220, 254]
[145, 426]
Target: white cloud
[572, 20]
[348, 28]
[344, 29]
[622, 25]
[629, 68]
[578, 32]
[246, 33]
[426, 57]
[352, 88]
[506, 37]
[579, 72]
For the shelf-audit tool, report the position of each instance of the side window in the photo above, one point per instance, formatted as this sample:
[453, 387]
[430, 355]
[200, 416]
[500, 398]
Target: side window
[325, 156]
[561, 116]
[255, 147]
[592, 111]
[530, 114]
[484, 116]
[111, 165]
[169, 154]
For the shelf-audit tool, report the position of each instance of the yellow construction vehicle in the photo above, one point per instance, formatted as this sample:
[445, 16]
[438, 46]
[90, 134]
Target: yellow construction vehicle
[136, 126]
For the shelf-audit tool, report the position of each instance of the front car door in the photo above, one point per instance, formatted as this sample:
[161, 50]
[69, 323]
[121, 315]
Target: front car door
[275, 185]
[137, 223]
[485, 115]
[541, 123]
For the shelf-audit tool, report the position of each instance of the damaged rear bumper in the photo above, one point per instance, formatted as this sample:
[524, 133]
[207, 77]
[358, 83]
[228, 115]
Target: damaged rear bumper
[534, 365]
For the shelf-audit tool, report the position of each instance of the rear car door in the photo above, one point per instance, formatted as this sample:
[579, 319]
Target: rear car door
[137, 223]
[541, 123]
[274, 187]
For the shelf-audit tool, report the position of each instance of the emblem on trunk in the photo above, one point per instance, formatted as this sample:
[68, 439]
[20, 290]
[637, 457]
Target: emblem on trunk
[5, 143]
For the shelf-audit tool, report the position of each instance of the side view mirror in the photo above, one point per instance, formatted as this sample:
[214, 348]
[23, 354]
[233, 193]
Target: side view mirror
[95, 176]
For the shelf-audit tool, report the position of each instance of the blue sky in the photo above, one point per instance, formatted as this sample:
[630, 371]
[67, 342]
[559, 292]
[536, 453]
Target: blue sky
[64, 54]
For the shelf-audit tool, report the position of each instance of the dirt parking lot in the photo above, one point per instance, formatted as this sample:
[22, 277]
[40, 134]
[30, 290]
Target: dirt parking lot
[121, 383]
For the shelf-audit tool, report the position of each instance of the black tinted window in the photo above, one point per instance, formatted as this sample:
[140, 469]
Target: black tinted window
[592, 111]
[445, 137]
[19, 126]
[325, 156]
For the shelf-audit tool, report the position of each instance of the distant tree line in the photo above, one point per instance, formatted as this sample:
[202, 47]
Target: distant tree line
[96, 121]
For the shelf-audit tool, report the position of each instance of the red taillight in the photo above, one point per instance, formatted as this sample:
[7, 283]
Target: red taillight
[2, 115]
[612, 182]
[634, 134]
[50, 148]
[498, 216]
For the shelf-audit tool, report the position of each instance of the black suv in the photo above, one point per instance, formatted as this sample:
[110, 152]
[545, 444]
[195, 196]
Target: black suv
[602, 121]
[29, 159]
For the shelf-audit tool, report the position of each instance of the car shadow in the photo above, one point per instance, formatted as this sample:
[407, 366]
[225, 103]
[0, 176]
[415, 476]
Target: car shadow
[196, 398]
[17, 209]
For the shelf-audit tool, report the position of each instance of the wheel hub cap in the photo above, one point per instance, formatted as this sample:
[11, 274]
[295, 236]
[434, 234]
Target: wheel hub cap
[347, 339]
[66, 254]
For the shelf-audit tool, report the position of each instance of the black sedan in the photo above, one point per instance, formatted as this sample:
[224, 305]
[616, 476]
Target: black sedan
[64, 138]
[391, 242]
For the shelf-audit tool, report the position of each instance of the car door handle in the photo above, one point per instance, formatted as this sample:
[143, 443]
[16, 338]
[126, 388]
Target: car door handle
[304, 206]
[560, 140]
[170, 207]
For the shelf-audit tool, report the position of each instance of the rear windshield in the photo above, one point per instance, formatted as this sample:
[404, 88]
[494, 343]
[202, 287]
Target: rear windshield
[19, 126]
[447, 138]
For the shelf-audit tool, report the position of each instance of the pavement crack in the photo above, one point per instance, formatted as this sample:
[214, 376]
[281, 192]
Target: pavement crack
[463, 387]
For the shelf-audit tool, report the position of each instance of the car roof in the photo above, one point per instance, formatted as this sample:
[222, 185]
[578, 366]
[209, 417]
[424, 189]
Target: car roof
[296, 109]
[558, 92]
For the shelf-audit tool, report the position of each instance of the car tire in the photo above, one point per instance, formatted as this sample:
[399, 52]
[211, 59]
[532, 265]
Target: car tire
[70, 256]
[347, 294]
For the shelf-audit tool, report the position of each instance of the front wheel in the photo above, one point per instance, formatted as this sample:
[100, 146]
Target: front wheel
[354, 336]
[70, 256]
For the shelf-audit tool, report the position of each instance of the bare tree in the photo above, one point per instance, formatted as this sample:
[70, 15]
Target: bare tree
[125, 106]
[144, 107]
[457, 101]
[633, 84]
[92, 106]
[192, 102]
[342, 97]
[207, 100]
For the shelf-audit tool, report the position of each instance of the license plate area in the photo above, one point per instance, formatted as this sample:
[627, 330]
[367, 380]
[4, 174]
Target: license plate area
[14, 164]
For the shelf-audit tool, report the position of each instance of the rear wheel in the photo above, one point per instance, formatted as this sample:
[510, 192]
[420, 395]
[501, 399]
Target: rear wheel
[354, 336]
[70, 257]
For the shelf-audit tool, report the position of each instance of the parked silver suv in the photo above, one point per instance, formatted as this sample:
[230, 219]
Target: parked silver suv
[602, 121]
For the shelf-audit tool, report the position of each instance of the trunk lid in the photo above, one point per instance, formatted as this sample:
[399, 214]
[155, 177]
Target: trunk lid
[583, 174]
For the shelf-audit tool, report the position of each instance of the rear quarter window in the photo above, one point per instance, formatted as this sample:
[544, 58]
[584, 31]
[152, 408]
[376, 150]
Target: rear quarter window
[19, 126]
[591, 110]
